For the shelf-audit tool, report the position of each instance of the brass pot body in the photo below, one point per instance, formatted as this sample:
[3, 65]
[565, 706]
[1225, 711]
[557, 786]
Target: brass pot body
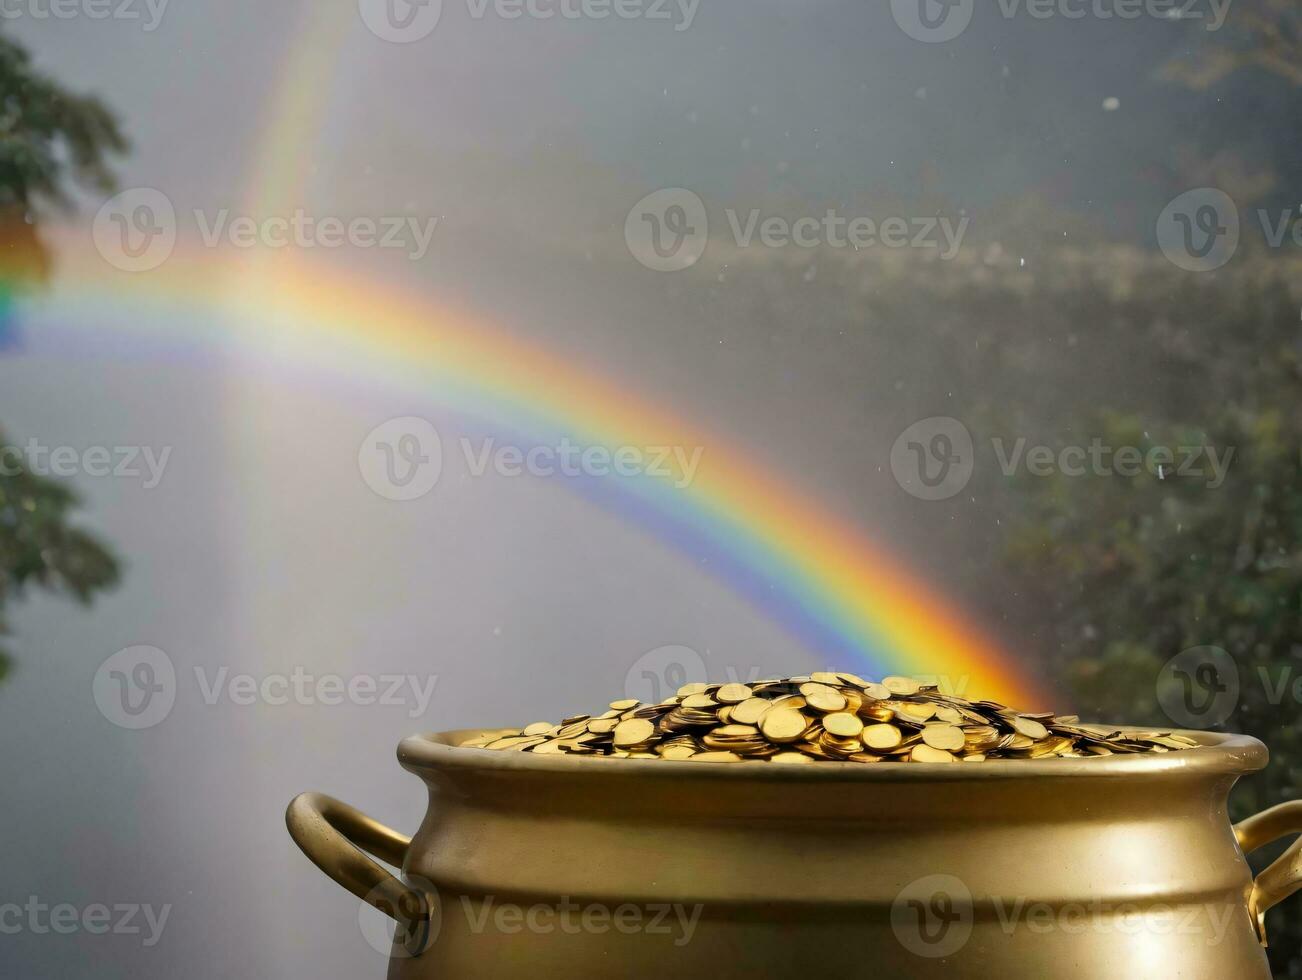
[536, 867]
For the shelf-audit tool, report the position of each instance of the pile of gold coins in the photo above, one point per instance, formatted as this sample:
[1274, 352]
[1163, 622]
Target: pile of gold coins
[824, 717]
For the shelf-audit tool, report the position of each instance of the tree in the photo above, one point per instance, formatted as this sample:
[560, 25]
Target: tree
[50, 140]
[1267, 35]
[1130, 571]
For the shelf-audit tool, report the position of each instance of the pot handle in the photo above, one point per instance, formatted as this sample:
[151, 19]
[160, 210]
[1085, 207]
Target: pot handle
[1284, 876]
[334, 836]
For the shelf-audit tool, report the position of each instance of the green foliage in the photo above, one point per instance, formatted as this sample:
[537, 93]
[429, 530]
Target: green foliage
[1132, 570]
[50, 139]
[38, 547]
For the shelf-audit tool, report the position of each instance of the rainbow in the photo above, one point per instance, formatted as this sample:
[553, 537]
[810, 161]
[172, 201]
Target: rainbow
[847, 601]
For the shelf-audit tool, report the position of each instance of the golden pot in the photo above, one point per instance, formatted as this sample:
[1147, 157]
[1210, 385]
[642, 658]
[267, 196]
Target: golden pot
[544, 866]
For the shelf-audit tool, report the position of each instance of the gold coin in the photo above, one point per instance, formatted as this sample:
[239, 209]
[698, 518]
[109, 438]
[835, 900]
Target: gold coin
[864, 757]
[843, 725]
[635, 732]
[925, 753]
[1030, 728]
[881, 738]
[826, 716]
[909, 711]
[678, 752]
[735, 731]
[750, 711]
[901, 685]
[732, 693]
[814, 687]
[877, 711]
[699, 701]
[783, 725]
[820, 697]
[507, 742]
[792, 758]
[945, 737]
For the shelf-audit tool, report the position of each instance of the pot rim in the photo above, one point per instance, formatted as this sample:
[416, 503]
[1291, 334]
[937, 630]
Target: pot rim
[1217, 754]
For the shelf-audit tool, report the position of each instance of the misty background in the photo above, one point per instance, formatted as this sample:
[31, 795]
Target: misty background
[1060, 142]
